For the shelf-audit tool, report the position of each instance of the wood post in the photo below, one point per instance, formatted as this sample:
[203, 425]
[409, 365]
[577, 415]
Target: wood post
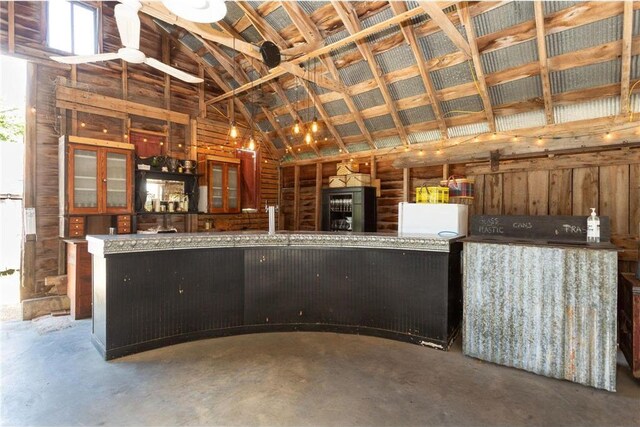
[74, 113]
[318, 212]
[28, 268]
[406, 182]
[296, 198]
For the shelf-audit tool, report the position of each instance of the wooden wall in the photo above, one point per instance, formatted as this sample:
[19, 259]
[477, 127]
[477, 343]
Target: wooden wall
[44, 254]
[559, 185]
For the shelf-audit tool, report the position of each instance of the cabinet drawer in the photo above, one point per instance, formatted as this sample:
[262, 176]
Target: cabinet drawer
[124, 228]
[124, 218]
[76, 220]
[77, 232]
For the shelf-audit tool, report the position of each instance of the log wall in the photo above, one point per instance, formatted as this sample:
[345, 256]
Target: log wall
[43, 255]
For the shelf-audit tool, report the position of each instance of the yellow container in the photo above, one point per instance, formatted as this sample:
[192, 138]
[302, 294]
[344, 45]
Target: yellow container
[432, 195]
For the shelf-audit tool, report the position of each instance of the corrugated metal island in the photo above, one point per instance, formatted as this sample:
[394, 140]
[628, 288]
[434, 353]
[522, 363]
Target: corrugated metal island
[156, 290]
[542, 306]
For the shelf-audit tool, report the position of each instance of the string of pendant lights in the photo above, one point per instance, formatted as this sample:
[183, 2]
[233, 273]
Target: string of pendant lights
[311, 130]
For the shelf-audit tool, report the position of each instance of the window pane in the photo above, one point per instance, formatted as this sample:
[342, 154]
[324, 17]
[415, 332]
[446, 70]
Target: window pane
[84, 30]
[85, 179]
[59, 25]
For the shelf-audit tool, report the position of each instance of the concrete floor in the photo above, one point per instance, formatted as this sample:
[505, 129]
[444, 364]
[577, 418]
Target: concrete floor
[52, 375]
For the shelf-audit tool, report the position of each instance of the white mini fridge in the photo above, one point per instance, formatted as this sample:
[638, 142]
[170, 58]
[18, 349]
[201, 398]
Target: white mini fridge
[442, 219]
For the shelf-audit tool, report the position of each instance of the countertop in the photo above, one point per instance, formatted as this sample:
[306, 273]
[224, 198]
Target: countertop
[534, 242]
[131, 243]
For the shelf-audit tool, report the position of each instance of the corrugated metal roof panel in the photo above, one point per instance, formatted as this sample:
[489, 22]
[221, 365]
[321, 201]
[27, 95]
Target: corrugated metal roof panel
[338, 53]
[164, 25]
[379, 123]
[230, 52]
[265, 126]
[210, 59]
[549, 311]
[336, 108]
[311, 6]
[284, 120]
[635, 67]
[381, 16]
[584, 36]
[277, 142]
[515, 91]
[368, 99]
[392, 141]
[406, 88]
[436, 45]
[215, 26]
[306, 114]
[251, 35]
[336, 37]
[512, 56]
[521, 121]
[451, 76]
[395, 59]
[465, 105]
[306, 155]
[586, 76]
[330, 150]
[359, 146]
[636, 22]
[276, 101]
[318, 89]
[191, 42]
[278, 19]
[472, 129]
[348, 129]
[355, 73]
[503, 17]
[555, 6]
[253, 75]
[233, 13]
[594, 109]
[635, 103]
[295, 93]
[415, 115]
[426, 136]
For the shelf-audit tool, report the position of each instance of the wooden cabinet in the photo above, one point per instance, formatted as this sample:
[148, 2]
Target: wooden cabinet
[629, 320]
[79, 279]
[99, 177]
[223, 179]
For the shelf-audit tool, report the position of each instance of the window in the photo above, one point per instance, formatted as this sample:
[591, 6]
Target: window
[72, 27]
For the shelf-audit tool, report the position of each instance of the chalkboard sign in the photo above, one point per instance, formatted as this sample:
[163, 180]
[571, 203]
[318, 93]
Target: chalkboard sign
[549, 228]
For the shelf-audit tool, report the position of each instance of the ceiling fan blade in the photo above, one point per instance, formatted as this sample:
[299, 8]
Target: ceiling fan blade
[82, 59]
[178, 74]
[128, 24]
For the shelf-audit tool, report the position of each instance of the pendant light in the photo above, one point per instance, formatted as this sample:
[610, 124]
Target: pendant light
[233, 132]
[307, 138]
[296, 126]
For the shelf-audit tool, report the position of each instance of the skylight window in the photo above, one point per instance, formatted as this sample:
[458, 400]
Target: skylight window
[72, 27]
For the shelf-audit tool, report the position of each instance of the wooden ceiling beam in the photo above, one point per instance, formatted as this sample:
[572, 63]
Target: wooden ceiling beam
[310, 33]
[445, 24]
[352, 24]
[261, 25]
[410, 38]
[542, 58]
[465, 18]
[627, 37]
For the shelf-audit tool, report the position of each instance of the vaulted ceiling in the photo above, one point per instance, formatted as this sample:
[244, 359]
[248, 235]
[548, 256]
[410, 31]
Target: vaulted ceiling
[384, 75]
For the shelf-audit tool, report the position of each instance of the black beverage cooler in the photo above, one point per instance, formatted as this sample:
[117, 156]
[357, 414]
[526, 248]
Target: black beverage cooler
[349, 209]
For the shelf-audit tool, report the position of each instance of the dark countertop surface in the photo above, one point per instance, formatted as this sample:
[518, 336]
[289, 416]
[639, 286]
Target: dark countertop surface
[533, 242]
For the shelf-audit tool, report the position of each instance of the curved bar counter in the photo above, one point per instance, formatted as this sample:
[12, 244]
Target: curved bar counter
[151, 291]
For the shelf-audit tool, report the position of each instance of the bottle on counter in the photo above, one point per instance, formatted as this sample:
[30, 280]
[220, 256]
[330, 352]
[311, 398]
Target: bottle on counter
[593, 227]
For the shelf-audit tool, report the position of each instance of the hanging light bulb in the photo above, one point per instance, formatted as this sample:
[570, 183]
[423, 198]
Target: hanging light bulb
[307, 138]
[296, 128]
[252, 144]
[314, 125]
[233, 133]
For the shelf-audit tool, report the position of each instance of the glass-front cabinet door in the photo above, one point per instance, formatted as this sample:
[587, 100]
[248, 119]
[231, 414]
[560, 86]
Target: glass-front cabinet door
[117, 170]
[83, 180]
[224, 186]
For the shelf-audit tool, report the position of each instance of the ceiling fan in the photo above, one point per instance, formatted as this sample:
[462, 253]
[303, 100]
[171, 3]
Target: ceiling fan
[126, 14]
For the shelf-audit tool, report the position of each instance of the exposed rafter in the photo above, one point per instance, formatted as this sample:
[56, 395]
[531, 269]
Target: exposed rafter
[220, 82]
[445, 24]
[410, 38]
[542, 57]
[311, 34]
[261, 25]
[465, 18]
[352, 24]
[627, 37]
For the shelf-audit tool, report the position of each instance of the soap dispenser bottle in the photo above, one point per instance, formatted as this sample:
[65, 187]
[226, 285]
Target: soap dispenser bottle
[593, 227]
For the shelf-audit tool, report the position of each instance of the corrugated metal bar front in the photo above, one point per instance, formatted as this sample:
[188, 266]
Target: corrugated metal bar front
[548, 310]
